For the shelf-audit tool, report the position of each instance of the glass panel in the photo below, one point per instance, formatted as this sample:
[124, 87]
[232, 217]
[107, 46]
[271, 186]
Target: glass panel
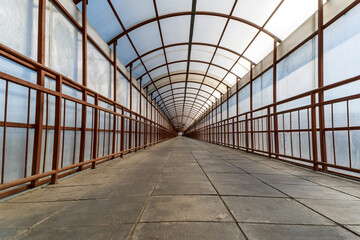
[124, 51]
[63, 45]
[342, 54]
[214, 6]
[177, 53]
[237, 36]
[140, 38]
[201, 32]
[130, 13]
[19, 26]
[260, 48]
[178, 34]
[106, 24]
[290, 16]
[171, 6]
[99, 72]
[263, 9]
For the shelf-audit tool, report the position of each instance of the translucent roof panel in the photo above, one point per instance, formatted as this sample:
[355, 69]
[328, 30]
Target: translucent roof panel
[237, 36]
[177, 34]
[263, 8]
[106, 23]
[141, 36]
[132, 12]
[291, 14]
[214, 6]
[177, 53]
[198, 60]
[201, 29]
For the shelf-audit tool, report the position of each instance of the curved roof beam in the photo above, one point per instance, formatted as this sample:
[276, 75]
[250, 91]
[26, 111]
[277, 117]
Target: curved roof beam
[177, 14]
[184, 88]
[181, 94]
[180, 61]
[182, 97]
[186, 43]
[181, 116]
[187, 108]
[187, 103]
[182, 101]
[174, 74]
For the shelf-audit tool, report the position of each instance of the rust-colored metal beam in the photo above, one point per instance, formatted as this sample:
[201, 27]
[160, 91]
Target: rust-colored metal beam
[185, 44]
[39, 96]
[189, 13]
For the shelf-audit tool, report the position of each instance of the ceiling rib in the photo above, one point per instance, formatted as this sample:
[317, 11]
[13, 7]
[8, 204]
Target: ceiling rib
[218, 44]
[186, 43]
[272, 14]
[162, 43]
[127, 35]
[187, 13]
[180, 61]
[192, 23]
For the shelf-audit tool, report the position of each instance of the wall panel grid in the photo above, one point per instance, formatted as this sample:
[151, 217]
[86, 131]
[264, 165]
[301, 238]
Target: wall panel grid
[63, 108]
[295, 112]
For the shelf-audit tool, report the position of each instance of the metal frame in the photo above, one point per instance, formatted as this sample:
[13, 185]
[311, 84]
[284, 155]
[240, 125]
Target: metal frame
[263, 129]
[95, 112]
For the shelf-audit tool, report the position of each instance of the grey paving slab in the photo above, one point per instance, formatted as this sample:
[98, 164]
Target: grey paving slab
[273, 210]
[341, 211]
[296, 232]
[244, 189]
[185, 187]
[332, 181]
[232, 177]
[312, 192]
[353, 190]
[23, 215]
[60, 193]
[283, 179]
[222, 168]
[119, 231]
[106, 202]
[193, 230]
[122, 187]
[354, 228]
[8, 233]
[97, 212]
[185, 208]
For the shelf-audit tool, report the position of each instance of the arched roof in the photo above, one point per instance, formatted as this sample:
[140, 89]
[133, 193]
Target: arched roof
[189, 52]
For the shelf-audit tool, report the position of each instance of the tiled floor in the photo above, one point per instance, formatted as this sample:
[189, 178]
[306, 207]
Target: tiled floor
[187, 189]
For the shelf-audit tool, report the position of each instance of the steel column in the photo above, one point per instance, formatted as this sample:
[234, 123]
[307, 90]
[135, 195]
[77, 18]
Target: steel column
[39, 95]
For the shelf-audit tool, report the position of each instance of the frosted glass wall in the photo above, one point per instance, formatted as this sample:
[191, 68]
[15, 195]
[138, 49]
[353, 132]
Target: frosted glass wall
[63, 44]
[19, 26]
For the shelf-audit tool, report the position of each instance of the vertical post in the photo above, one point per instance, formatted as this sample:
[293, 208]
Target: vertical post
[131, 115]
[227, 115]
[140, 116]
[57, 131]
[146, 119]
[39, 96]
[221, 123]
[268, 131]
[251, 108]
[84, 83]
[276, 134]
[115, 98]
[313, 132]
[96, 127]
[122, 144]
[151, 118]
[321, 83]
[237, 112]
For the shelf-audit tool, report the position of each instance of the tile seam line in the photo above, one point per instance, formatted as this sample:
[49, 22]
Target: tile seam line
[336, 223]
[133, 228]
[71, 202]
[218, 194]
